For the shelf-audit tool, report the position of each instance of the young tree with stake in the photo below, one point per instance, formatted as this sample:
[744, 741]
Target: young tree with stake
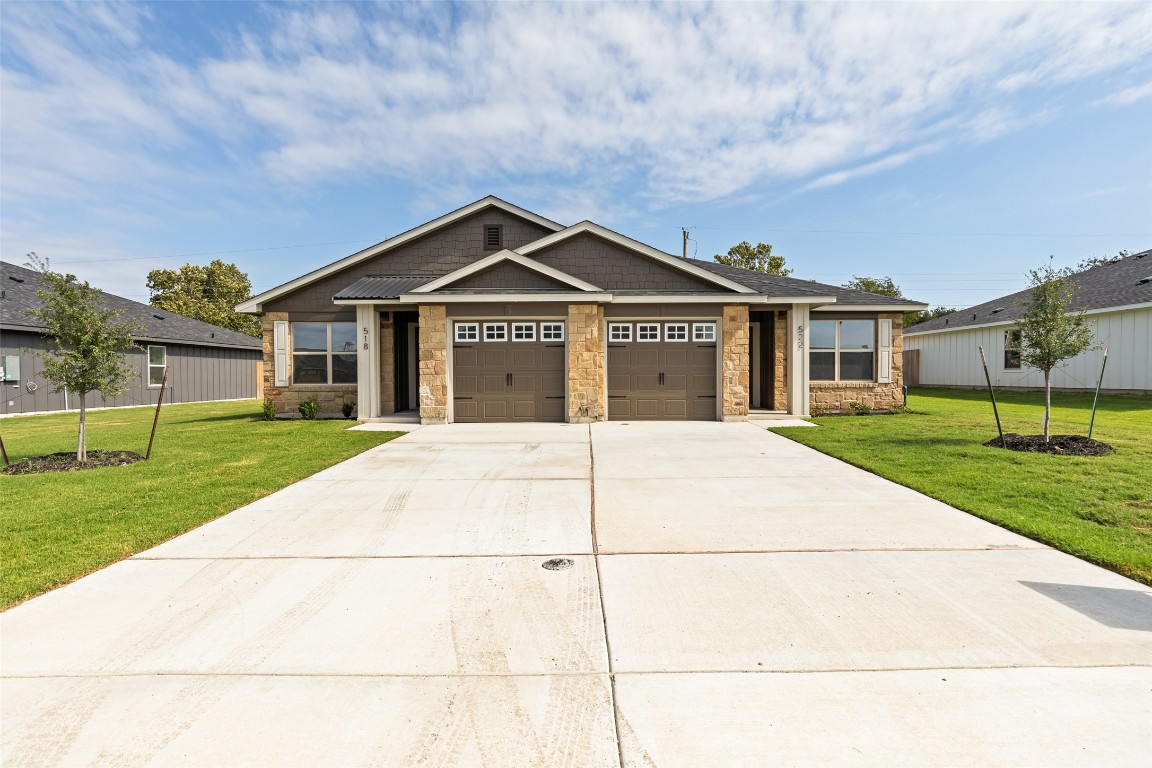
[86, 341]
[1049, 333]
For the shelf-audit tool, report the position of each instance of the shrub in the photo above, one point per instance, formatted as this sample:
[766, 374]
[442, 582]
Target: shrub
[860, 409]
[269, 409]
[817, 410]
[347, 409]
[309, 408]
[898, 408]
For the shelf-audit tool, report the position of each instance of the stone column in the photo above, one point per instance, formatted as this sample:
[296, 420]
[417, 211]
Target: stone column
[798, 360]
[433, 364]
[387, 367]
[780, 364]
[735, 363]
[585, 363]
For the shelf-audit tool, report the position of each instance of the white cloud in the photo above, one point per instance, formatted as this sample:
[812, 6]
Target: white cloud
[1129, 95]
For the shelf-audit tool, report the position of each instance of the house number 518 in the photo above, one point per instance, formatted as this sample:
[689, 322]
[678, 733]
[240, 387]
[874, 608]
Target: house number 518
[799, 337]
[365, 338]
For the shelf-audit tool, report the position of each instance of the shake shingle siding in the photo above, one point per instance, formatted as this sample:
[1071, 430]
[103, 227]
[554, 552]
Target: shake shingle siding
[610, 267]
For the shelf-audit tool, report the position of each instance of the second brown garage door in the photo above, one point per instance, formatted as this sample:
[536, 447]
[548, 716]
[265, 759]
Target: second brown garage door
[662, 370]
[508, 370]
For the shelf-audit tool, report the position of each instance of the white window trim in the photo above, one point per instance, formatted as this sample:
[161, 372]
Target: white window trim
[462, 329]
[546, 328]
[503, 331]
[151, 365]
[1009, 347]
[837, 350]
[624, 328]
[518, 327]
[683, 328]
[709, 327]
[648, 326]
[328, 354]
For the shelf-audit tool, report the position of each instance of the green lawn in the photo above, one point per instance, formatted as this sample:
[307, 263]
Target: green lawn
[1097, 508]
[208, 459]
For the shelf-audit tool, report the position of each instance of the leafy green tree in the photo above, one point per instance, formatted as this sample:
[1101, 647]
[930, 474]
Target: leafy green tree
[1096, 261]
[758, 258]
[86, 341]
[924, 315]
[206, 293]
[1049, 333]
[882, 286]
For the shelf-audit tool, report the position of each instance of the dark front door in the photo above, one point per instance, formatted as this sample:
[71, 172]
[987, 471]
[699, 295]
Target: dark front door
[662, 370]
[508, 370]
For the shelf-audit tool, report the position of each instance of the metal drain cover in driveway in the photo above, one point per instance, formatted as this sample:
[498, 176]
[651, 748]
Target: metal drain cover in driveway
[557, 564]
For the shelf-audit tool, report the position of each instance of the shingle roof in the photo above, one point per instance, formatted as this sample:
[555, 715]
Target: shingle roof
[1121, 283]
[775, 285]
[382, 287]
[19, 286]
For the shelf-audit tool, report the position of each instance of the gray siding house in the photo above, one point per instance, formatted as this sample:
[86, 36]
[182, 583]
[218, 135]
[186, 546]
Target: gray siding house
[204, 362]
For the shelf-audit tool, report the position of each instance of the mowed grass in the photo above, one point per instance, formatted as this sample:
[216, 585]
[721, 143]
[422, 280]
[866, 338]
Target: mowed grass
[1097, 508]
[208, 459]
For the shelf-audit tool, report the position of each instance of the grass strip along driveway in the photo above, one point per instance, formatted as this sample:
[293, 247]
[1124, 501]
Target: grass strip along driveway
[1097, 508]
[209, 459]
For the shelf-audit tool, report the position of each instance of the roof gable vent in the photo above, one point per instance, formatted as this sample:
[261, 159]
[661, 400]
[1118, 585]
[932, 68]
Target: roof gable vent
[1145, 280]
[493, 237]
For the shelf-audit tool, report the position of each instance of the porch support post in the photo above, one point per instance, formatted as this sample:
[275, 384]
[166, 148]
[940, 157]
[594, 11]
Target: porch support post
[798, 360]
[367, 362]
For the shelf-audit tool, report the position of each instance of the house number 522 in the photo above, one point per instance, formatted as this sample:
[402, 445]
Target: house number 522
[799, 337]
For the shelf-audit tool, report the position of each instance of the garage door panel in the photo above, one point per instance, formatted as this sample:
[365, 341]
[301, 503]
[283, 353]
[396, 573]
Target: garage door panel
[523, 409]
[646, 355]
[466, 385]
[649, 408]
[675, 409]
[494, 409]
[553, 409]
[645, 382]
[509, 381]
[494, 384]
[525, 358]
[662, 380]
[676, 356]
[619, 408]
[467, 410]
[676, 382]
[492, 356]
[466, 356]
[523, 383]
[704, 408]
[619, 381]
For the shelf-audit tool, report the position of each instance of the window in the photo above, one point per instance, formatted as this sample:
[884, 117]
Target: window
[619, 332]
[495, 331]
[467, 331]
[323, 353]
[523, 331]
[648, 332]
[493, 237]
[704, 332]
[676, 332]
[552, 331]
[157, 362]
[1013, 343]
[842, 350]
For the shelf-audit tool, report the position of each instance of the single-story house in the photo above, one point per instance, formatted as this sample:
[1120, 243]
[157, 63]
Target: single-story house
[494, 313]
[1116, 298]
[204, 362]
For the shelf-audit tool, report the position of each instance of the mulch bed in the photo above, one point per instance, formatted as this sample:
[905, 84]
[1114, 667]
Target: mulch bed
[1064, 445]
[65, 462]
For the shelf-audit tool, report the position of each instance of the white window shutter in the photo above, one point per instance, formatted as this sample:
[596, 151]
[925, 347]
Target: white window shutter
[280, 351]
[884, 347]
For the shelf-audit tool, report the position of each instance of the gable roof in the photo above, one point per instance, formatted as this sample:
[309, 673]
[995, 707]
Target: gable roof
[1124, 282]
[776, 285]
[19, 286]
[254, 304]
[506, 256]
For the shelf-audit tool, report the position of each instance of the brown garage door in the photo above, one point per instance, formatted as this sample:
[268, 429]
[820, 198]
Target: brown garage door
[508, 370]
[662, 370]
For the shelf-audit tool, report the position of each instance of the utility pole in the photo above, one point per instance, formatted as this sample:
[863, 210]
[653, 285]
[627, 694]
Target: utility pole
[685, 231]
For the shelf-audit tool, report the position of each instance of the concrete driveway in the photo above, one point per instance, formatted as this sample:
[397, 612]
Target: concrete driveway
[733, 599]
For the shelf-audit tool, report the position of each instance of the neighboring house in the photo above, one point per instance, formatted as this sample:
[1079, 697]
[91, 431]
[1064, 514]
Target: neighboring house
[1115, 297]
[494, 313]
[204, 362]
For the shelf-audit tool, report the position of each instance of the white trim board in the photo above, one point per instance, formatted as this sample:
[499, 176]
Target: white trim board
[506, 298]
[255, 304]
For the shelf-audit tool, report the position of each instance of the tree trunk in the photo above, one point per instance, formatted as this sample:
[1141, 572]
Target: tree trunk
[82, 436]
[1047, 403]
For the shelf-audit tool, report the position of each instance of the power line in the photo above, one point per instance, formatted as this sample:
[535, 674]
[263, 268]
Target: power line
[219, 253]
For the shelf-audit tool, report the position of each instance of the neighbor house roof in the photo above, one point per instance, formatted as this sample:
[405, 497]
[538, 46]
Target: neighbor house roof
[19, 285]
[1124, 282]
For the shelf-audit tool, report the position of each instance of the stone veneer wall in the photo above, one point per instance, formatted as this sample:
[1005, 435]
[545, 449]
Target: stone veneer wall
[433, 364]
[331, 397]
[387, 363]
[780, 364]
[836, 395]
[585, 363]
[735, 363]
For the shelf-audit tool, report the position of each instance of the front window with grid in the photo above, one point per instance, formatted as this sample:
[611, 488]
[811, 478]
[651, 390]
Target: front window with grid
[323, 353]
[619, 332]
[842, 350]
[467, 331]
[647, 332]
[1013, 343]
[495, 332]
[523, 331]
[676, 332]
[704, 332]
[552, 331]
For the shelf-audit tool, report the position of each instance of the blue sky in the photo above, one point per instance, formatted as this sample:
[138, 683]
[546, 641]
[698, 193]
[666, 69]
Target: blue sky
[949, 146]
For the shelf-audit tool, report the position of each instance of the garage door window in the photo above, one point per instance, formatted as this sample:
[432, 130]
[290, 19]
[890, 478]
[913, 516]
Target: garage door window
[619, 331]
[676, 332]
[495, 332]
[323, 353]
[843, 350]
[704, 332]
[523, 331]
[467, 331]
[648, 332]
[552, 331]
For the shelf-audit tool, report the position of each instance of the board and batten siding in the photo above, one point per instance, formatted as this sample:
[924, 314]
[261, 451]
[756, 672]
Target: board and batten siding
[195, 374]
[952, 358]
